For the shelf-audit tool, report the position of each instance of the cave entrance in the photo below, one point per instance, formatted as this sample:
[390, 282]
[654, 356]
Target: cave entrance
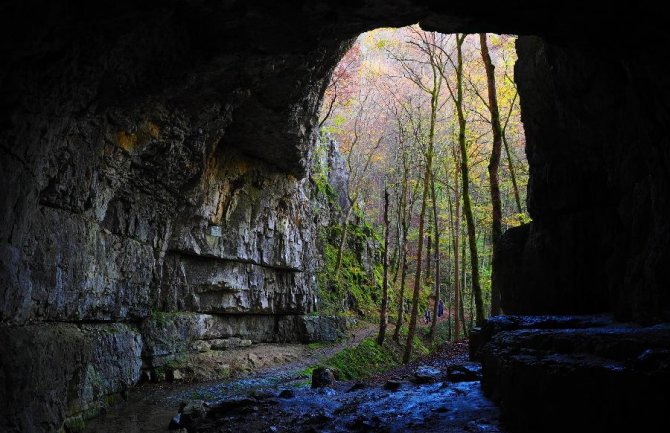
[402, 105]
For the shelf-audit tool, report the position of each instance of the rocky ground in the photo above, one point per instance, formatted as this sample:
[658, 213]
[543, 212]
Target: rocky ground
[438, 392]
[150, 406]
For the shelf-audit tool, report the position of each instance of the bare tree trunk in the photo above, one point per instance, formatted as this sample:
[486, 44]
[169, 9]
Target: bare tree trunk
[510, 163]
[433, 325]
[383, 315]
[464, 285]
[417, 276]
[456, 234]
[401, 297]
[494, 165]
[448, 295]
[406, 215]
[429, 247]
[465, 177]
[426, 186]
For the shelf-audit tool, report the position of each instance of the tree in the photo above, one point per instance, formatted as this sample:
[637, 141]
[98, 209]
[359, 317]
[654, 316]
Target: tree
[426, 47]
[389, 124]
[357, 171]
[436, 295]
[494, 163]
[457, 97]
[341, 86]
[383, 314]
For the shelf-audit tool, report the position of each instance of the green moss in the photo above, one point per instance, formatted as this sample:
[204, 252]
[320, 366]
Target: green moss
[179, 361]
[366, 359]
[74, 424]
[160, 318]
[316, 345]
[353, 279]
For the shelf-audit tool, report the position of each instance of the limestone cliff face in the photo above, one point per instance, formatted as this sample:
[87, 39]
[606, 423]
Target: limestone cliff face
[125, 215]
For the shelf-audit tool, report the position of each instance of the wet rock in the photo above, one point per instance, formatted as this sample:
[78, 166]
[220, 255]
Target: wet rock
[245, 343]
[287, 393]
[176, 421]
[492, 326]
[322, 376]
[425, 374]
[81, 368]
[393, 384]
[318, 419]
[551, 379]
[356, 386]
[191, 413]
[362, 423]
[464, 373]
[653, 360]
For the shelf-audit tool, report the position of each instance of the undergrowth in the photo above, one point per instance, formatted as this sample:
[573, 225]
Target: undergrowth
[368, 358]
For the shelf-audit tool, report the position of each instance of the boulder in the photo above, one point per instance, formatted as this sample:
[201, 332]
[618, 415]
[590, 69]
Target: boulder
[464, 372]
[393, 384]
[287, 393]
[322, 376]
[425, 374]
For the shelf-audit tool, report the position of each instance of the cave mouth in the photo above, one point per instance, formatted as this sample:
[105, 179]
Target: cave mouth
[153, 200]
[392, 96]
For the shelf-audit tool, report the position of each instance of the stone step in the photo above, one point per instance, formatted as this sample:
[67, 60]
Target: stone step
[611, 377]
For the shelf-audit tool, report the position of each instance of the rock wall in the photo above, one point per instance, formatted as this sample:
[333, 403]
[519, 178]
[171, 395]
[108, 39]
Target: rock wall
[597, 144]
[53, 373]
[552, 373]
[115, 212]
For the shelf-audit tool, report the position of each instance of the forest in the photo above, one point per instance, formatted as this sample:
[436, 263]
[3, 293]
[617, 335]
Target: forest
[429, 127]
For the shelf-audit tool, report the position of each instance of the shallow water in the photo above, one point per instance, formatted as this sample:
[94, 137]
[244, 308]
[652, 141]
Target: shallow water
[150, 407]
[437, 407]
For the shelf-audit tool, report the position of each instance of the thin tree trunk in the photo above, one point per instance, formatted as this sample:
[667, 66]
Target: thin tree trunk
[406, 214]
[448, 295]
[429, 247]
[512, 171]
[433, 325]
[401, 297]
[456, 230]
[494, 165]
[426, 186]
[417, 276]
[383, 315]
[465, 177]
[464, 285]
